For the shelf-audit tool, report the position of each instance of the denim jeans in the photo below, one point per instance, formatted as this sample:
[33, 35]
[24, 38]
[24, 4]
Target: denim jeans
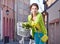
[37, 38]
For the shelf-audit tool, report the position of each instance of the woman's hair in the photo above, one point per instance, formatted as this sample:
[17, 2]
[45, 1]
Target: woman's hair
[34, 4]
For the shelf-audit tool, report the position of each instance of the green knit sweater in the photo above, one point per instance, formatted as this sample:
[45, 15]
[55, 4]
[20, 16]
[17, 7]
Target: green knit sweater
[39, 20]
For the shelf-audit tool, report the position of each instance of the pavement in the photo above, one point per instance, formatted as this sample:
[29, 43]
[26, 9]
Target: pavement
[12, 42]
[26, 41]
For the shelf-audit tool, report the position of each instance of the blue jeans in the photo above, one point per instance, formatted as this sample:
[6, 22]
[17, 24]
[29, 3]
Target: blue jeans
[37, 38]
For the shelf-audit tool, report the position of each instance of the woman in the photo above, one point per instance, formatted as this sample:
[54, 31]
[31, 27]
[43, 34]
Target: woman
[36, 21]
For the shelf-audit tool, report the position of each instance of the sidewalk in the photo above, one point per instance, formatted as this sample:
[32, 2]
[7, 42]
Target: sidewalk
[15, 42]
[26, 41]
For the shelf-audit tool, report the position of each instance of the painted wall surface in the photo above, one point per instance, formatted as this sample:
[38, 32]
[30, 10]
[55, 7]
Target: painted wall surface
[54, 11]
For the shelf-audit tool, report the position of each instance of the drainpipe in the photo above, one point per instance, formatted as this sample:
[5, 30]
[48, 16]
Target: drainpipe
[45, 8]
[45, 4]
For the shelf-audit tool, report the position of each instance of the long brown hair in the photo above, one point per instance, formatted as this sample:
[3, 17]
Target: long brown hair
[34, 4]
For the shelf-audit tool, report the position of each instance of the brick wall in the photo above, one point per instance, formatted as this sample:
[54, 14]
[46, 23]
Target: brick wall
[23, 9]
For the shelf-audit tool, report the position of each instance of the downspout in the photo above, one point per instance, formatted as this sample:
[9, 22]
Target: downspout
[45, 8]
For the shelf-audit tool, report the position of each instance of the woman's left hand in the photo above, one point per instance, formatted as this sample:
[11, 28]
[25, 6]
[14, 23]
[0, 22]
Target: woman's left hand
[44, 38]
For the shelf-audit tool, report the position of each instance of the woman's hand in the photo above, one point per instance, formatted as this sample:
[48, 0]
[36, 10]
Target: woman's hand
[36, 25]
[44, 38]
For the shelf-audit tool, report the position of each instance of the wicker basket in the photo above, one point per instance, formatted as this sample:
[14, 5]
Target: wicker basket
[22, 31]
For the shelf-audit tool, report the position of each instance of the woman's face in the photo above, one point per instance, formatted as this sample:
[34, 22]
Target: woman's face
[34, 9]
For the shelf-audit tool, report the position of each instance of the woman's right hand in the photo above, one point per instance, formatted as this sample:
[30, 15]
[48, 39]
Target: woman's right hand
[36, 25]
[44, 38]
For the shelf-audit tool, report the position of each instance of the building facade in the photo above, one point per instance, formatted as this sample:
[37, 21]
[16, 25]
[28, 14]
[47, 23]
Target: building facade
[54, 23]
[11, 12]
[7, 19]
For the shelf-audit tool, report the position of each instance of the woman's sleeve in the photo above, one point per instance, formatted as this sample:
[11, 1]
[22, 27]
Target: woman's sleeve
[29, 20]
[42, 25]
